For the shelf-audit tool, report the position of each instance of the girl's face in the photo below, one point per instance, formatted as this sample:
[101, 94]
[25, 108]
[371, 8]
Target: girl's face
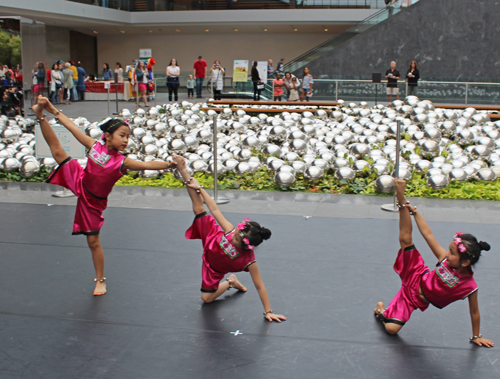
[103, 65]
[278, 76]
[174, 62]
[119, 139]
[288, 75]
[306, 71]
[453, 258]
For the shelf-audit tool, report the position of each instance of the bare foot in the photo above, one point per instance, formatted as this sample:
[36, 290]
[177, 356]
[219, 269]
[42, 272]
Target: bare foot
[235, 283]
[100, 288]
[379, 309]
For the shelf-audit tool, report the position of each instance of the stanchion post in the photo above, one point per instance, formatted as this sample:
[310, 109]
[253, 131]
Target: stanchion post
[394, 207]
[217, 199]
[109, 109]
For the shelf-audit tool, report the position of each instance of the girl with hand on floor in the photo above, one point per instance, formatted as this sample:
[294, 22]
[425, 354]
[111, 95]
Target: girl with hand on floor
[225, 248]
[93, 184]
[451, 280]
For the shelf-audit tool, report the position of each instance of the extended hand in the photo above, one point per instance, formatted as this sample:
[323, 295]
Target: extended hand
[194, 184]
[272, 317]
[178, 160]
[400, 185]
[483, 342]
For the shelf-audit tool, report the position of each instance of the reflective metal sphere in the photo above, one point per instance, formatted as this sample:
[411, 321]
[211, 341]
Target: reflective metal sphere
[385, 184]
[284, 179]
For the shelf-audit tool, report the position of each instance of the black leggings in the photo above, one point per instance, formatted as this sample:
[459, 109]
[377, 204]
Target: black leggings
[173, 87]
[256, 92]
[217, 94]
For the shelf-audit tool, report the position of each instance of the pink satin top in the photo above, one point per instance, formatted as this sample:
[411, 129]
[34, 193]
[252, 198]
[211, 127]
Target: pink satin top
[103, 169]
[445, 285]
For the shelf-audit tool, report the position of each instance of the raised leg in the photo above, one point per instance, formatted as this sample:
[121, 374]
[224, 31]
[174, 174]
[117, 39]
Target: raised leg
[98, 259]
[48, 133]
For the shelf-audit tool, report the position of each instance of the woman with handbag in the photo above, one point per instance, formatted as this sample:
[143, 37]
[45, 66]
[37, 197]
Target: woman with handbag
[173, 72]
[141, 74]
[56, 84]
[257, 84]
[217, 79]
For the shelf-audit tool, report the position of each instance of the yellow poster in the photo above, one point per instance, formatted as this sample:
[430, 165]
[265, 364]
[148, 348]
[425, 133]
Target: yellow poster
[240, 72]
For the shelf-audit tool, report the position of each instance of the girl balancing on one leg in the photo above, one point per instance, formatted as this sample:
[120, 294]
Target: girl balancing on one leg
[93, 184]
[452, 279]
[226, 249]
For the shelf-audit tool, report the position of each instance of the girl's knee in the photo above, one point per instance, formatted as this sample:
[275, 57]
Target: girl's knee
[93, 242]
[207, 298]
[392, 328]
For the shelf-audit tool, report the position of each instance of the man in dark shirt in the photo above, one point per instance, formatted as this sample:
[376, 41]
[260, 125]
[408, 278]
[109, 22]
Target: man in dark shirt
[392, 75]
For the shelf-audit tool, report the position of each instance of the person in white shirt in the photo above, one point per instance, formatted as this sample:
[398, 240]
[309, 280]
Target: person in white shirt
[173, 71]
[217, 79]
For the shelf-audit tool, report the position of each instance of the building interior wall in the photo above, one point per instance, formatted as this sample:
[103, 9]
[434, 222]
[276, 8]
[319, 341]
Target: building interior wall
[58, 44]
[186, 48]
[84, 49]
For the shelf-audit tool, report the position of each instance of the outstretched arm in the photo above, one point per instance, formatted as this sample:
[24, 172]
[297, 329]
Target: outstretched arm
[405, 226]
[212, 206]
[84, 139]
[476, 321]
[261, 289]
[134, 165]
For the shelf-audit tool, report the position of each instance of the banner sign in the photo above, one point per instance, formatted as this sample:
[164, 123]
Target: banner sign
[240, 71]
[68, 141]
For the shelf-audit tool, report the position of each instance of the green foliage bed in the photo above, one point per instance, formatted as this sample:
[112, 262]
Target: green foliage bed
[263, 180]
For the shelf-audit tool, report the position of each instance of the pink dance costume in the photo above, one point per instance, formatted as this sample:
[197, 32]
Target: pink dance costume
[91, 185]
[220, 256]
[440, 287]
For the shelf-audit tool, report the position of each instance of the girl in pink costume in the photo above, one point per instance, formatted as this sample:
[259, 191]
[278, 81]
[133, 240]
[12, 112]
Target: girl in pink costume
[225, 248]
[452, 280]
[93, 184]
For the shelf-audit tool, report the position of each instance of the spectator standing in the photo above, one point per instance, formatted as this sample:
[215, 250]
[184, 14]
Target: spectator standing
[200, 73]
[173, 72]
[38, 79]
[294, 89]
[80, 86]
[256, 81]
[307, 84]
[278, 87]
[18, 76]
[190, 86]
[107, 74]
[413, 75]
[287, 83]
[392, 76]
[48, 76]
[141, 74]
[119, 72]
[56, 84]
[68, 81]
[74, 94]
[270, 69]
[217, 79]
[279, 67]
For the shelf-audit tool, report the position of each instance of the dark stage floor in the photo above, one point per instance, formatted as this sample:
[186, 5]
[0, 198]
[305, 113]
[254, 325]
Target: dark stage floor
[325, 273]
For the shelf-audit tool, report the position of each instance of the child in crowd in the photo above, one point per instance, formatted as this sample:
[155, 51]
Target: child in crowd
[451, 280]
[93, 184]
[294, 90]
[190, 86]
[225, 248]
[278, 87]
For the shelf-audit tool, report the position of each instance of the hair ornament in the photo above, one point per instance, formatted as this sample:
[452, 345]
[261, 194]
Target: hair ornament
[458, 242]
[242, 226]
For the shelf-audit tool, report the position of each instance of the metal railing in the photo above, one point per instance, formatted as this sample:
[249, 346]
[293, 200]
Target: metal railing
[173, 5]
[480, 93]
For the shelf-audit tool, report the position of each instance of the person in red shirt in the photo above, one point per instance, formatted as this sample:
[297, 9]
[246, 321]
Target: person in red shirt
[199, 72]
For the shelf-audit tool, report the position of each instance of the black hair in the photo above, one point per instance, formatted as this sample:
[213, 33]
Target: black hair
[255, 233]
[107, 66]
[474, 248]
[79, 64]
[112, 125]
[255, 63]
[176, 63]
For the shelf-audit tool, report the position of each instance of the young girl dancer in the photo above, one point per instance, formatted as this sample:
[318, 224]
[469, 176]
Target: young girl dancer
[452, 279]
[226, 249]
[93, 184]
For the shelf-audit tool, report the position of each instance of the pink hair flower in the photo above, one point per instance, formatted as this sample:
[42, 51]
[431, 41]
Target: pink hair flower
[457, 241]
[462, 248]
[246, 219]
[459, 233]
[247, 242]
[242, 225]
